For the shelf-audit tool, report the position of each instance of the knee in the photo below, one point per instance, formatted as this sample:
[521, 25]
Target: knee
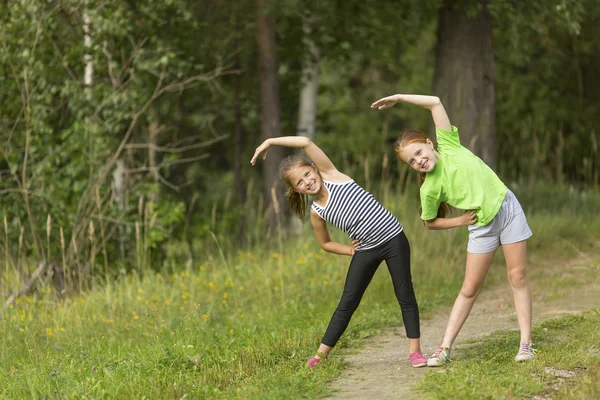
[348, 304]
[470, 291]
[517, 277]
[406, 297]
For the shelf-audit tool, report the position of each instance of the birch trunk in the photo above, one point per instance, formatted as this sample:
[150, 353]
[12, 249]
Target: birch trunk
[88, 78]
[119, 188]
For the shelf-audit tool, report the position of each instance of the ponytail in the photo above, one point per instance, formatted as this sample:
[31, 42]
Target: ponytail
[298, 202]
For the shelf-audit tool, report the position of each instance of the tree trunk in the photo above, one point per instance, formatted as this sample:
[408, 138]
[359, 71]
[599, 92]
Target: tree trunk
[152, 163]
[464, 77]
[269, 111]
[240, 187]
[307, 109]
[88, 78]
[119, 189]
[88, 75]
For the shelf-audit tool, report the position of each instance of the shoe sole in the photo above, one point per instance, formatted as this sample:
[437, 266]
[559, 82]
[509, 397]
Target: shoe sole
[437, 364]
[419, 365]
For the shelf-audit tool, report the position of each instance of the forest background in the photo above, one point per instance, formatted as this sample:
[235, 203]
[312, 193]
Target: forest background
[126, 130]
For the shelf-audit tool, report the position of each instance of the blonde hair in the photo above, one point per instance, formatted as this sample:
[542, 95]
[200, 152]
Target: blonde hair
[416, 136]
[298, 202]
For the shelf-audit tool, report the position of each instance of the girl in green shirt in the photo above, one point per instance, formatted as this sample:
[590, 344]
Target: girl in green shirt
[452, 175]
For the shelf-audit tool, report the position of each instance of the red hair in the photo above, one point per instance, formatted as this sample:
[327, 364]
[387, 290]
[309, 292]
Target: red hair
[411, 136]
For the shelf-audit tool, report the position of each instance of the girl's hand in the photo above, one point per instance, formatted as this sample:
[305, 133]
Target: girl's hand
[355, 244]
[469, 217]
[261, 149]
[386, 102]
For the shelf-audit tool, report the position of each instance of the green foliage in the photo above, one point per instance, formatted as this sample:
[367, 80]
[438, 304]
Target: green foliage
[59, 142]
[59, 139]
[547, 131]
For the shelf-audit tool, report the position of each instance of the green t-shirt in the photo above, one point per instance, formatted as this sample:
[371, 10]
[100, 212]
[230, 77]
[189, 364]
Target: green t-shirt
[462, 180]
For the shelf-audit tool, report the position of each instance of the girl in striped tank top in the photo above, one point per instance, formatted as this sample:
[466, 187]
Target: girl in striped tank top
[375, 233]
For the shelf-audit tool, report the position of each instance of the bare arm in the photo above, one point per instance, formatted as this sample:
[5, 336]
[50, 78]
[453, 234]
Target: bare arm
[432, 103]
[313, 151]
[467, 218]
[322, 234]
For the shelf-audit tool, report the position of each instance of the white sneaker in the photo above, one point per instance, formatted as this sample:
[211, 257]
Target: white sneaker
[525, 352]
[440, 357]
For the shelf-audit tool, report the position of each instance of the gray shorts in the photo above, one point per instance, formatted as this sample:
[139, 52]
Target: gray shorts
[508, 226]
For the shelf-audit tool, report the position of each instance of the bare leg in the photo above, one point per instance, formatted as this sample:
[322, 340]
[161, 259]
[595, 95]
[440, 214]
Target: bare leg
[323, 351]
[414, 345]
[476, 270]
[515, 255]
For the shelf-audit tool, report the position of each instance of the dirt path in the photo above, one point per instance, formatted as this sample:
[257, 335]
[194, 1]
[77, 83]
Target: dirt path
[380, 370]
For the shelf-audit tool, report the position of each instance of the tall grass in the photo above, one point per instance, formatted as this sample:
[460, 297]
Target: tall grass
[240, 322]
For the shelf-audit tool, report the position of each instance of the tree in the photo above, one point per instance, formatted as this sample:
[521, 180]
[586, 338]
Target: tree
[78, 83]
[269, 110]
[546, 63]
[307, 110]
[464, 75]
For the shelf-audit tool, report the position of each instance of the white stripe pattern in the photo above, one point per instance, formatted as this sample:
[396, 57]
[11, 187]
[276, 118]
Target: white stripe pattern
[355, 211]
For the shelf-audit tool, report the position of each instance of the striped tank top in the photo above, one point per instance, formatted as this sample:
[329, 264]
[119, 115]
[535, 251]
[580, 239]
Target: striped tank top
[356, 212]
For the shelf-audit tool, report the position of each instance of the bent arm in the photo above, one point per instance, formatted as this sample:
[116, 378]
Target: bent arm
[313, 151]
[468, 217]
[322, 234]
[431, 103]
[438, 224]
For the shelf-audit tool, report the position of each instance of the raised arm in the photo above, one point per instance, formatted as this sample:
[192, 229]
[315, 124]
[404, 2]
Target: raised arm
[313, 151]
[432, 103]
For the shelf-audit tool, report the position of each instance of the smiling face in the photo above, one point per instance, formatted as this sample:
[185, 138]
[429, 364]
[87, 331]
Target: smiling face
[305, 179]
[416, 149]
[422, 157]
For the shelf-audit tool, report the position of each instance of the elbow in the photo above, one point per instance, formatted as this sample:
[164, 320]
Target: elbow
[325, 246]
[429, 225]
[435, 102]
[306, 142]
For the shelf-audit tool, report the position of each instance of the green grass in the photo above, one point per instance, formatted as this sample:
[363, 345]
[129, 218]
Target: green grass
[586, 386]
[559, 283]
[487, 370]
[240, 324]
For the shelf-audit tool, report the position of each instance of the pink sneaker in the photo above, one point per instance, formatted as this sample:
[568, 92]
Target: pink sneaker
[417, 360]
[313, 361]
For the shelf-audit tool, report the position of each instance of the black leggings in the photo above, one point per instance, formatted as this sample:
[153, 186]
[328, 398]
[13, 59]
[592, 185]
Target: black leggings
[396, 253]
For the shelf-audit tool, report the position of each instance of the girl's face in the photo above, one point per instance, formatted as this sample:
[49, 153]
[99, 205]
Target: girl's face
[420, 156]
[306, 180]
